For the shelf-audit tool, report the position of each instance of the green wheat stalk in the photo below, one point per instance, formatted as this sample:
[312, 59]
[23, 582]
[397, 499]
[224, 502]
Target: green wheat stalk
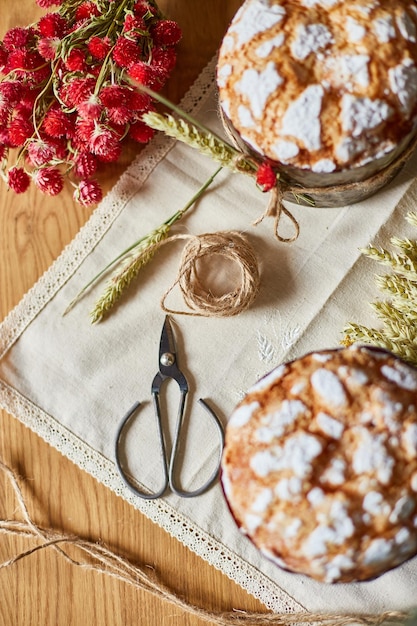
[398, 312]
[122, 278]
[129, 262]
[204, 141]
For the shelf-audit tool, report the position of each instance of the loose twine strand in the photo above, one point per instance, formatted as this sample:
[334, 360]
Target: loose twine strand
[100, 559]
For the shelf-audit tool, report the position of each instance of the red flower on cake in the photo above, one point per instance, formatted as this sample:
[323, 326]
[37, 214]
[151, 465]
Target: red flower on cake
[266, 177]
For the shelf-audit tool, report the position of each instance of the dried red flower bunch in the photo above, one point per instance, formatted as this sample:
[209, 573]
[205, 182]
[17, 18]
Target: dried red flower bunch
[70, 92]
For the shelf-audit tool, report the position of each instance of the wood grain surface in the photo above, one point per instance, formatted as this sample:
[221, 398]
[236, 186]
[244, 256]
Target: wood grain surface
[43, 589]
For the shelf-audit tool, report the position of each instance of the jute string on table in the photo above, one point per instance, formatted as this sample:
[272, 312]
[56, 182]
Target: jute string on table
[230, 245]
[98, 558]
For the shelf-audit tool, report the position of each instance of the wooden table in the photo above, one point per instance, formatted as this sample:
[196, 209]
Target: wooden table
[43, 589]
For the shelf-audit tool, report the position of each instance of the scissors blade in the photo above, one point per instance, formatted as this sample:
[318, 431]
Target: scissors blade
[167, 347]
[168, 366]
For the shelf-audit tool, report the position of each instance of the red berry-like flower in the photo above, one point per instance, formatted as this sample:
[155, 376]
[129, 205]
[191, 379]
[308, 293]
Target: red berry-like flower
[88, 192]
[4, 137]
[266, 177]
[86, 10]
[78, 90]
[76, 61]
[19, 131]
[165, 59]
[57, 123]
[3, 56]
[11, 92]
[141, 132]
[48, 46]
[141, 8]
[134, 24]
[52, 25]
[105, 144]
[18, 180]
[120, 115]
[16, 38]
[99, 47]
[139, 101]
[40, 152]
[114, 95]
[90, 109]
[166, 33]
[143, 74]
[126, 52]
[85, 164]
[84, 129]
[49, 180]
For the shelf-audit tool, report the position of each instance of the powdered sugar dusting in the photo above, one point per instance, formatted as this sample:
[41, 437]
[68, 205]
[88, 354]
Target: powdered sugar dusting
[329, 387]
[275, 424]
[355, 31]
[383, 28]
[401, 375]
[371, 456]
[296, 455]
[310, 38]
[302, 118]
[243, 414]
[265, 49]
[258, 86]
[406, 26]
[403, 82]
[361, 114]
[330, 426]
[259, 17]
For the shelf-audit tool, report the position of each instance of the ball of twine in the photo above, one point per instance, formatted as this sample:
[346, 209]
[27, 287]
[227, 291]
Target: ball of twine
[199, 298]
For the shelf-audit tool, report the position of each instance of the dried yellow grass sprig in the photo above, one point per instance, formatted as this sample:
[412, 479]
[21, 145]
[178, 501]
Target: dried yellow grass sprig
[204, 141]
[398, 313]
[132, 259]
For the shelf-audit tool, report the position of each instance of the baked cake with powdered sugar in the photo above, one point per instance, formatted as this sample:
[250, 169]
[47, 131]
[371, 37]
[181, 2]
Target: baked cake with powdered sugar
[320, 464]
[325, 88]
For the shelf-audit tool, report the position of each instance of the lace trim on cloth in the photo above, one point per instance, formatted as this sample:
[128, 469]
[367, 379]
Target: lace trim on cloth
[160, 512]
[88, 459]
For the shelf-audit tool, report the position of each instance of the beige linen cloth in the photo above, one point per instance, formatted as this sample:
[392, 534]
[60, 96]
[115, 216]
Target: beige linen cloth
[72, 382]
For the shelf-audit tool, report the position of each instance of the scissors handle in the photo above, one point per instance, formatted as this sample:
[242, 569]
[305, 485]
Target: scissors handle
[168, 469]
[176, 489]
[142, 494]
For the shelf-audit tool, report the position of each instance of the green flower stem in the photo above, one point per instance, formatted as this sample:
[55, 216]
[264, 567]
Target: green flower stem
[139, 247]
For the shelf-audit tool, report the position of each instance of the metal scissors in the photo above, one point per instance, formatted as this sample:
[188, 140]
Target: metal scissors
[168, 369]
